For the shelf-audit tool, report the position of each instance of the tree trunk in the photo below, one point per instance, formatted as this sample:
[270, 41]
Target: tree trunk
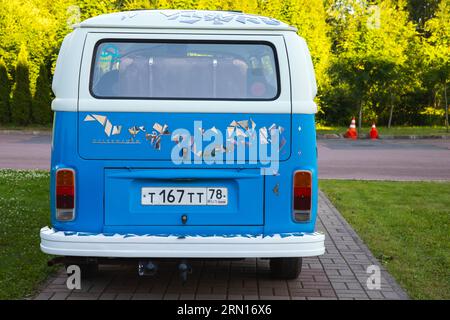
[360, 116]
[446, 105]
[390, 114]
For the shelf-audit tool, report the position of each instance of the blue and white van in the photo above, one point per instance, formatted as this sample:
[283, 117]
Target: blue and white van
[182, 135]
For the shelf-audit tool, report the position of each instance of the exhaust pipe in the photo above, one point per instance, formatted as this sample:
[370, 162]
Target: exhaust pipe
[147, 268]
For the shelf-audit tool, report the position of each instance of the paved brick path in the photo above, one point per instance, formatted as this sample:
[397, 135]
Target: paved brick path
[339, 274]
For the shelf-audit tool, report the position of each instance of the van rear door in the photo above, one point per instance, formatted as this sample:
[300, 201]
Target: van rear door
[150, 196]
[138, 90]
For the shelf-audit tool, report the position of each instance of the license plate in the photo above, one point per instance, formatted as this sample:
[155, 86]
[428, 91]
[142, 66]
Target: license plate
[176, 196]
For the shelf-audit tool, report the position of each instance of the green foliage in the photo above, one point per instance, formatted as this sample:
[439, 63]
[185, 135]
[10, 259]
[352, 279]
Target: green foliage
[421, 11]
[89, 8]
[183, 4]
[437, 51]
[271, 8]
[33, 23]
[136, 4]
[21, 95]
[42, 99]
[163, 4]
[371, 67]
[207, 4]
[5, 112]
[308, 16]
[388, 58]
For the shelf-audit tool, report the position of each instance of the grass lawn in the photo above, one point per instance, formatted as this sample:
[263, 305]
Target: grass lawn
[396, 131]
[399, 131]
[405, 225]
[24, 209]
[34, 127]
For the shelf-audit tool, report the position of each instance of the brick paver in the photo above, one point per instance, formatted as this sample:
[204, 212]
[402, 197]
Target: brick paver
[339, 274]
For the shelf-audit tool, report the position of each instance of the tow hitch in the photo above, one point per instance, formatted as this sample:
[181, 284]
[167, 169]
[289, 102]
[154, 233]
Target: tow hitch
[150, 268]
[184, 268]
[147, 268]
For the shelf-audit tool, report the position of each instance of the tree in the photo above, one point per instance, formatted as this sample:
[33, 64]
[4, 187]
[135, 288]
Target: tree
[308, 16]
[21, 96]
[136, 4]
[28, 22]
[91, 8]
[183, 4]
[249, 6]
[398, 46]
[5, 112]
[421, 11]
[271, 8]
[42, 113]
[207, 4]
[351, 66]
[437, 53]
[387, 59]
[163, 4]
[371, 54]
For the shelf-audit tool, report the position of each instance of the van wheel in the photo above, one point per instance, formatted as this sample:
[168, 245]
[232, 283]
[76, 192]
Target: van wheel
[88, 270]
[285, 268]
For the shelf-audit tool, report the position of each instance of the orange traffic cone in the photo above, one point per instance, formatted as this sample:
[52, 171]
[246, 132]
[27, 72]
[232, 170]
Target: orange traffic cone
[374, 132]
[351, 132]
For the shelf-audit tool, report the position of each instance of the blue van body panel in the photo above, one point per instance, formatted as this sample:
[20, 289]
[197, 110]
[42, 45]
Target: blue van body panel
[278, 205]
[125, 208]
[107, 136]
[259, 204]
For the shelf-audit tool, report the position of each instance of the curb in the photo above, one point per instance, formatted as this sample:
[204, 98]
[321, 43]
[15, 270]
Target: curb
[27, 132]
[383, 137]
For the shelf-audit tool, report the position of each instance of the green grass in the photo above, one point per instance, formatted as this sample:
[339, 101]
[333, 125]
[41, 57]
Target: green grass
[396, 131]
[399, 131]
[405, 225]
[34, 127]
[24, 209]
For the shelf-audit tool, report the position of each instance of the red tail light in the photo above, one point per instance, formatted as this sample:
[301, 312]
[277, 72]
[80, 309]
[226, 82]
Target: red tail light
[65, 194]
[302, 195]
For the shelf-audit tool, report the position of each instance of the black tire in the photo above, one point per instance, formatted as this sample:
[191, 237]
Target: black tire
[285, 268]
[88, 270]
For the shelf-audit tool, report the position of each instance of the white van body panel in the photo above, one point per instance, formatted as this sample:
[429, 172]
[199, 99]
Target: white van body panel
[304, 245]
[66, 77]
[185, 19]
[88, 103]
[297, 80]
[303, 80]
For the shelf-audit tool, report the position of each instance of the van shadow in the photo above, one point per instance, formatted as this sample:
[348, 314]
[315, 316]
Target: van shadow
[209, 279]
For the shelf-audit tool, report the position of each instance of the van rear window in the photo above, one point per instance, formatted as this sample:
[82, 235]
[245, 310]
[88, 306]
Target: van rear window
[225, 70]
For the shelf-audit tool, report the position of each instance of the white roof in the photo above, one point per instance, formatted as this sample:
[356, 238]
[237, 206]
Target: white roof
[184, 19]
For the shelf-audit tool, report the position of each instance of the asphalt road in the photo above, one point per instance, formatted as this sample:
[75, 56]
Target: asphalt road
[25, 151]
[338, 159]
[384, 159]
